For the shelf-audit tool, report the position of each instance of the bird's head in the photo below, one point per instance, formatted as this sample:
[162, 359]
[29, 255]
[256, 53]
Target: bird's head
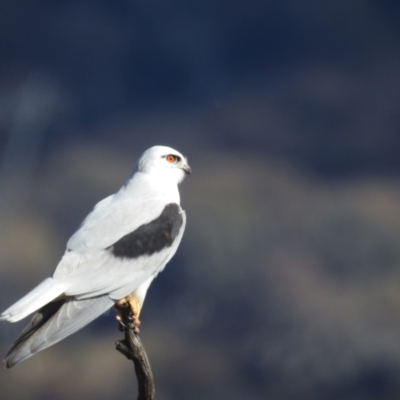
[165, 162]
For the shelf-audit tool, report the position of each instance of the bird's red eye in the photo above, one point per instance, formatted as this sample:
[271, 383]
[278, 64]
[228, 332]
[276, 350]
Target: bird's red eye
[171, 158]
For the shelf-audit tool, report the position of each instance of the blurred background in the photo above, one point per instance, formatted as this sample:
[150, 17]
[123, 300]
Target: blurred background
[287, 282]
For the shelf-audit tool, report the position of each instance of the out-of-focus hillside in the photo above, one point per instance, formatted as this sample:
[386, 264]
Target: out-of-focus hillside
[280, 278]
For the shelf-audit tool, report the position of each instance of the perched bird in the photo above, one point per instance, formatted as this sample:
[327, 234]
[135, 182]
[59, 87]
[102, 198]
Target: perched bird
[112, 259]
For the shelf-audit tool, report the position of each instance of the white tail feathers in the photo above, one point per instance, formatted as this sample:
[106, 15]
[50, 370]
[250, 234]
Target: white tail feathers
[42, 294]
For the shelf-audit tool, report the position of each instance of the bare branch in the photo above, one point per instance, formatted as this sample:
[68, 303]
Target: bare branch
[132, 348]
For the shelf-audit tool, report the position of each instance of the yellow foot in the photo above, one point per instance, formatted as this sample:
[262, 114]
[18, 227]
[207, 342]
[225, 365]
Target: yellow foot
[133, 303]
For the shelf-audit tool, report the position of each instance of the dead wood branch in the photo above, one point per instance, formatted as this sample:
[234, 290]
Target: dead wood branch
[132, 348]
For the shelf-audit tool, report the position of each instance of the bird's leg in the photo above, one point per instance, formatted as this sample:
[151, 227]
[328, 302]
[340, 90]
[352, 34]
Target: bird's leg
[133, 303]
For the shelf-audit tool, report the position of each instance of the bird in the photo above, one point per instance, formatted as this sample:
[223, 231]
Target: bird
[111, 260]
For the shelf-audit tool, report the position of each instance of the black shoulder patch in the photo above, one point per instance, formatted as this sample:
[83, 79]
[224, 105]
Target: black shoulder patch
[152, 237]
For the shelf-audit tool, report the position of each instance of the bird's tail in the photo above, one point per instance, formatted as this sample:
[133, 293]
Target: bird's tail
[42, 294]
[54, 322]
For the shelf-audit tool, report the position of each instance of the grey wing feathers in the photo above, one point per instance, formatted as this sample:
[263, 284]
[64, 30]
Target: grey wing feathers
[54, 322]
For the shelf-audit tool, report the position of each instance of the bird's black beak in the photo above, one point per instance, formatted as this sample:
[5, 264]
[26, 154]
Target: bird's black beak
[187, 169]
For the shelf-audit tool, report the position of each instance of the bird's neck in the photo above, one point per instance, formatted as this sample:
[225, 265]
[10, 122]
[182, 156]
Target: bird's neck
[155, 186]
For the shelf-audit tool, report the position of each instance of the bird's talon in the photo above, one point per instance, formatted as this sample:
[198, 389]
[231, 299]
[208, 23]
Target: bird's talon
[121, 325]
[130, 318]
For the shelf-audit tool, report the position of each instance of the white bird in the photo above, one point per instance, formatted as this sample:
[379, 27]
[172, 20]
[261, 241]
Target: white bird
[112, 259]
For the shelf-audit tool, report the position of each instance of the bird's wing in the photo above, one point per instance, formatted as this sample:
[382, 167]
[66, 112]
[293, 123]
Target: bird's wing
[112, 218]
[126, 263]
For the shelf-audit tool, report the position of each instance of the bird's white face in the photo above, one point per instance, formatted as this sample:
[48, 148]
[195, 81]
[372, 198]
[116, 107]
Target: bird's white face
[164, 161]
